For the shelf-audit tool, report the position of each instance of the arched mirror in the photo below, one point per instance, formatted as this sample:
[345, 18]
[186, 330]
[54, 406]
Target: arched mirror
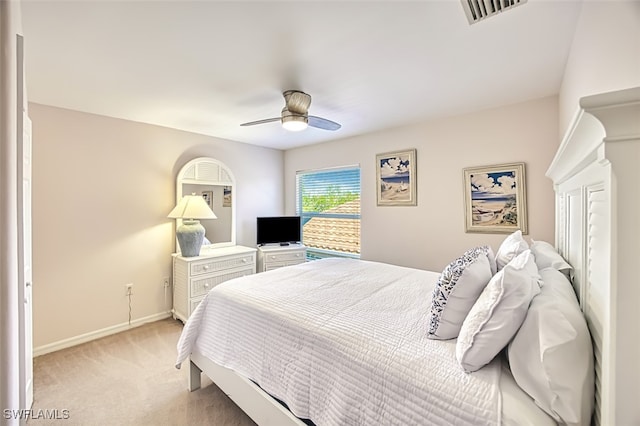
[215, 183]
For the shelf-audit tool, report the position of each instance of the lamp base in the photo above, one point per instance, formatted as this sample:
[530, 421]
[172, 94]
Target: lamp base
[190, 236]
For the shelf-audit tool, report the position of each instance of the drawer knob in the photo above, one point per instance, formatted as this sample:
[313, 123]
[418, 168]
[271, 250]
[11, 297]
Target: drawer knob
[244, 260]
[205, 267]
[206, 285]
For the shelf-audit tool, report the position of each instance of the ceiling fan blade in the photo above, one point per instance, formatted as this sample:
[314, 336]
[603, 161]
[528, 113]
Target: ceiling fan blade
[266, 120]
[323, 123]
[297, 102]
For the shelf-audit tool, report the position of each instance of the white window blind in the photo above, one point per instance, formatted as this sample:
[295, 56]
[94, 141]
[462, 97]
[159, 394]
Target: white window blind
[328, 203]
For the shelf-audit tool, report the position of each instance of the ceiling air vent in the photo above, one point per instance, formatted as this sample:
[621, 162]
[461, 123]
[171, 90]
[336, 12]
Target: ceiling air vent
[477, 10]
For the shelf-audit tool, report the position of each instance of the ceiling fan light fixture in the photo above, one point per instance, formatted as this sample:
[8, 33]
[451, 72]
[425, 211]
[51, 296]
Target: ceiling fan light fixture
[295, 114]
[294, 123]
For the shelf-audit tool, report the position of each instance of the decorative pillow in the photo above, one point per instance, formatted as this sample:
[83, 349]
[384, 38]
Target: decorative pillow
[551, 356]
[457, 289]
[547, 257]
[512, 246]
[498, 312]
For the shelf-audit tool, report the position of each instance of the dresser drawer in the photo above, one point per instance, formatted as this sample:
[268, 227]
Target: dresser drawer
[270, 257]
[275, 265]
[213, 265]
[200, 286]
[285, 257]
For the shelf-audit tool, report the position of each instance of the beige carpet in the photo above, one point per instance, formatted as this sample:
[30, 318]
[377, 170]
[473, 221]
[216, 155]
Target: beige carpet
[128, 379]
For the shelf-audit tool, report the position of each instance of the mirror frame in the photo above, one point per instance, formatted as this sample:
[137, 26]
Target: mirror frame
[208, 171]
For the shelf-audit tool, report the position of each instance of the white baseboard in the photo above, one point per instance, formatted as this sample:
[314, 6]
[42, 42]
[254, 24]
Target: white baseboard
[93, 335]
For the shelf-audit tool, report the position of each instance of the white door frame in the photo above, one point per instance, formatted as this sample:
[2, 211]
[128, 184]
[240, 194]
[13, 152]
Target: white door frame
[9, 309]
[25, 275]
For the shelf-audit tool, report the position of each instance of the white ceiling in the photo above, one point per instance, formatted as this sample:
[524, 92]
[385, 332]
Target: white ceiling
[207, 66]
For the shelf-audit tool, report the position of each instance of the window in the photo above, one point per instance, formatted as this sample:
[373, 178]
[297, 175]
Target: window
[328, 203]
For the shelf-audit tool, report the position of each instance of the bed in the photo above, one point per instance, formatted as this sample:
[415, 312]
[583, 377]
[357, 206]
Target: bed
[368, 390]
[358, 329]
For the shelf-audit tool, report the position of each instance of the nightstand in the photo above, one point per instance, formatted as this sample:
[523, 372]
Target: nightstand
[193, 277]
[277, 256]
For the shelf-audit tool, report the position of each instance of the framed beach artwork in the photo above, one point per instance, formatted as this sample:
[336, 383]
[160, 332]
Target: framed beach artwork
[396, 178]
[494, 199]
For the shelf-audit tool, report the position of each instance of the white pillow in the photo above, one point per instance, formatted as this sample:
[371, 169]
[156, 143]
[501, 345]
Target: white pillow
[551, 356]
[548, 257]
[457, 289]
[512, 246]
[498, 312]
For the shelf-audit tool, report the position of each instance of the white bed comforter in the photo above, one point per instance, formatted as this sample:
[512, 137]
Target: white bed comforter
[342, 342]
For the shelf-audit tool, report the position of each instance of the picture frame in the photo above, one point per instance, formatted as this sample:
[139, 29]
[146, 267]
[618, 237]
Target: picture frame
[208, 197]
[226, 199]
[396, 178]
[495, 198]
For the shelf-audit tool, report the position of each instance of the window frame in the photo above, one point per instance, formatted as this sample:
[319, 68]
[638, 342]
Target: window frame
[316, 253]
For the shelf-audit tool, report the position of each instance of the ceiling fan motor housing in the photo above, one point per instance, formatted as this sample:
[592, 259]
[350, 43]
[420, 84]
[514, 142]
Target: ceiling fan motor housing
[297, 102]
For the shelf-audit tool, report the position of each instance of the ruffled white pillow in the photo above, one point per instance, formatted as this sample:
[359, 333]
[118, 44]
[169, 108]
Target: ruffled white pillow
[498, 312]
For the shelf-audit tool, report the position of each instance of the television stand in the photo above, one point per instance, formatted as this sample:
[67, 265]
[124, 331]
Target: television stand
[277, 256]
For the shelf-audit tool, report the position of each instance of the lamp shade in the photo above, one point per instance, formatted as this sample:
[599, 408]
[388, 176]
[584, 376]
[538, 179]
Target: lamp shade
[192, 207]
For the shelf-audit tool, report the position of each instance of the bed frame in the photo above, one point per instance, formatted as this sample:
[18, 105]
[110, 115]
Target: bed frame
[256, 403]
[596, 175]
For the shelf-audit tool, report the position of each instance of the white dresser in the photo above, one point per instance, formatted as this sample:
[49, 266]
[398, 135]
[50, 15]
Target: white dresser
[277, 256]
[193, 277]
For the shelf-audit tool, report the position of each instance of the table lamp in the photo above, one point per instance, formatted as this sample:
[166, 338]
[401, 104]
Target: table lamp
[191, 233]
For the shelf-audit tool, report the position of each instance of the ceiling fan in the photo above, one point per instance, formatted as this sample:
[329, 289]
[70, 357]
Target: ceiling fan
[295, 114]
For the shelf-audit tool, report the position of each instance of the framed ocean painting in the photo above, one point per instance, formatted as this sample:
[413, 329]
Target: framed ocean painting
[495, 199]
[396, 178]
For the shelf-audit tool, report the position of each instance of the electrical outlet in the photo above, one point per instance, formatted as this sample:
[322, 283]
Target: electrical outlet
[128, 289]
[165, 282]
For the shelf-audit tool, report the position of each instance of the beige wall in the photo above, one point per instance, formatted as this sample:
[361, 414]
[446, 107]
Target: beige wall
[604, 56]
[431, 234]
[102, 188]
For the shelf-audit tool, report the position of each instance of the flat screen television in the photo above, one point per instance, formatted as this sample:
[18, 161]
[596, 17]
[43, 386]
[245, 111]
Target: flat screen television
[279, 229]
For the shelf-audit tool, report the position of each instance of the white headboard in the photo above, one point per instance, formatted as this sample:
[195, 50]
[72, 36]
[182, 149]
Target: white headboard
[596, 176]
